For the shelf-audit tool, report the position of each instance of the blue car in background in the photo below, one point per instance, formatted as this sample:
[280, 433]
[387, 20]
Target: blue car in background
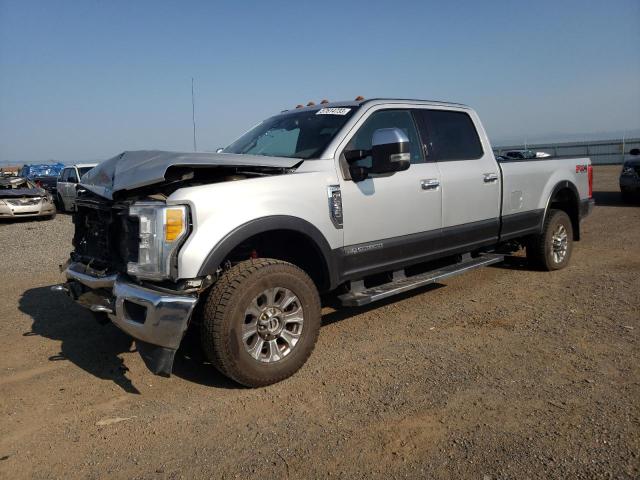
[43, 175]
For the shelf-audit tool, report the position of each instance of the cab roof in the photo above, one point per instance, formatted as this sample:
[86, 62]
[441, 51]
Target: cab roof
[372, 101]
[81, 165]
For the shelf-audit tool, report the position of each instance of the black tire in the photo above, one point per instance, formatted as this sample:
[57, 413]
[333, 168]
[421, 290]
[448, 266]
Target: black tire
[224, 314]
[52, 216]
[60, 204]
[540, 249]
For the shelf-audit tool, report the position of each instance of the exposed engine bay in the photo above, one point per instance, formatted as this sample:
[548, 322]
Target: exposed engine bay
[107, 236]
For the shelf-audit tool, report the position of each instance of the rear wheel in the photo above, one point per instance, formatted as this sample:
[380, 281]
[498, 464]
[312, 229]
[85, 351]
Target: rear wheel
[60, 203]
[551, 250]
[260, 321]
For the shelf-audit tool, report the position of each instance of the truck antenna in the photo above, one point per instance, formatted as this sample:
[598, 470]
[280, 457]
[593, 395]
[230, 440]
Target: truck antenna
[193, 117]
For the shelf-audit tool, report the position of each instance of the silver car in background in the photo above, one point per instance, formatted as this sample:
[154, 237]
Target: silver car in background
[68, 183]
[20, 197]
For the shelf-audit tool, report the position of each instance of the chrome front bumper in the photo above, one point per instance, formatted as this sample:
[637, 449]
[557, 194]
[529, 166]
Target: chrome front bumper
[151, 316]
[155, 318]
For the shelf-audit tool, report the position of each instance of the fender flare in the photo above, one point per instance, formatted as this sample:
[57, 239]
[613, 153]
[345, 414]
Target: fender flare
[265, 224]
[566, 184]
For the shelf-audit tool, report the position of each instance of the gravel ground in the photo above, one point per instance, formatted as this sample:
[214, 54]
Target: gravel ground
[501, 373]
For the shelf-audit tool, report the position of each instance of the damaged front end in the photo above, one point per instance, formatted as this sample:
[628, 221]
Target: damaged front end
[122, 268]
[156, 319]
[128, 234]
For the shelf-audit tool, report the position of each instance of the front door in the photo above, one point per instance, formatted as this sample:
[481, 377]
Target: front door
[67, 186]
[389, 219]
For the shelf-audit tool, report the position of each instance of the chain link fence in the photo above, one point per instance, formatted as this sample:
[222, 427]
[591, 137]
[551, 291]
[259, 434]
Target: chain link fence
[601, 152]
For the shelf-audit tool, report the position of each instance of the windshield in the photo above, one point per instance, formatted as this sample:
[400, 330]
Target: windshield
[295, 135]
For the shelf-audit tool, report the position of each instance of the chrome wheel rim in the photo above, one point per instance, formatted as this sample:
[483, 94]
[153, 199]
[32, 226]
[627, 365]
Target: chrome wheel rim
[559, 244]
[272, 325]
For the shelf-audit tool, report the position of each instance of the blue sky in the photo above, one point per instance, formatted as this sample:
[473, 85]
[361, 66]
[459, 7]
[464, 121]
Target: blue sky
[86, 80]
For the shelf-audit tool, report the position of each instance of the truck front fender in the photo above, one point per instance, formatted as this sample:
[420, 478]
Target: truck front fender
[267, 224]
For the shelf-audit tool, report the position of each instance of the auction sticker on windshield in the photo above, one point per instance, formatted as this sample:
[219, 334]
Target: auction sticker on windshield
[333, 111]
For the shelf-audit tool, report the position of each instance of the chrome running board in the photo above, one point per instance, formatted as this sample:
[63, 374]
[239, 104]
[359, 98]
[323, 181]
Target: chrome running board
[358, 297]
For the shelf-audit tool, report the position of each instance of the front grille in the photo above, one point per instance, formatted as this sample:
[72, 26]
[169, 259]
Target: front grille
[105, 236]
[23, 202]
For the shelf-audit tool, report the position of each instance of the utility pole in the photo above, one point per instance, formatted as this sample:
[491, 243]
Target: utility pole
[193, 116]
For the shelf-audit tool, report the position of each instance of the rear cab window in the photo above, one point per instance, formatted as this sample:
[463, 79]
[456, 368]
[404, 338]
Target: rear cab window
[449, 135]
[83, 170]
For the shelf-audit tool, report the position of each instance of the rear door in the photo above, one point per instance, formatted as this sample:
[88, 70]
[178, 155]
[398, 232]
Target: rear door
[389, 219]
[469, 175]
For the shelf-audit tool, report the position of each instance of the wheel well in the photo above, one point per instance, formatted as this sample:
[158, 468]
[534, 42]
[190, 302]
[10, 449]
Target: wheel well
[288, 245]
[566, 199]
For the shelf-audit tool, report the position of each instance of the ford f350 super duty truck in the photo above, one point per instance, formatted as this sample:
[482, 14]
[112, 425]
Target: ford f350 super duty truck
[366, 199]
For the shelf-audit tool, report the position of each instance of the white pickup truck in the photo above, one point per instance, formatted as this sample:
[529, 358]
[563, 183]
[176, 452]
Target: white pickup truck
[366, 199]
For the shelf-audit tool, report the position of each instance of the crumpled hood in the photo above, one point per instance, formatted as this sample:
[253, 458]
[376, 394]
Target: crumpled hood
[136, 169]
[22, 192]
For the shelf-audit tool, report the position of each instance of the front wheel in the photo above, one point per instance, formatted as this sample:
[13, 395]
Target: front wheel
[551, 250]
[260, 321]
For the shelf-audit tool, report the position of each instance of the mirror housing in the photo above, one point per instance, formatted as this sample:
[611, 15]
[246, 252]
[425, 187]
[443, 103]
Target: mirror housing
[634, 151]
[390, 151]
[219, 150]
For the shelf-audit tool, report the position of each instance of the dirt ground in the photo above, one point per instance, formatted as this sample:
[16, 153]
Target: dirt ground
[501, 373]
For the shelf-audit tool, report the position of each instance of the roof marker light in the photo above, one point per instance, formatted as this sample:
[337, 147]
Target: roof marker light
[311, 104]
[359, 98]
[299, 105]
[324, 102]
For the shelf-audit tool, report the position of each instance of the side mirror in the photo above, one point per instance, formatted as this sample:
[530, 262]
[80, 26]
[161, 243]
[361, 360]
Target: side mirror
[634, 151]
[390, 151]
[219, 150]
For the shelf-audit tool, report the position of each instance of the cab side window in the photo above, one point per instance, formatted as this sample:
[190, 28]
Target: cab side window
[65, 175]
[449, 135]
[73, 176]
[401, 119]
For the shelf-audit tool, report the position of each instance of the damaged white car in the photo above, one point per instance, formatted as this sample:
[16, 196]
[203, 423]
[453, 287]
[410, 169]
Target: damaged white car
[20, 197]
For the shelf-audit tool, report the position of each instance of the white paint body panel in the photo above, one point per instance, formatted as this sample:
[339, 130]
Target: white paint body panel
[528, 184]
[218, 209]
[391, 206]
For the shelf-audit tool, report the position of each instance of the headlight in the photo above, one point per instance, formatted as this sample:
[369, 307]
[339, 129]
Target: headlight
[627, 170]
[162, 229]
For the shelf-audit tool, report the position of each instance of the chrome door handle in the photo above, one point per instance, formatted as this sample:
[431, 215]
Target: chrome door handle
[490, 177]
[430, 184]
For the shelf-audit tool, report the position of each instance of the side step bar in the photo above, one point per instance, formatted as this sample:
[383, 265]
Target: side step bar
[363, 296]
